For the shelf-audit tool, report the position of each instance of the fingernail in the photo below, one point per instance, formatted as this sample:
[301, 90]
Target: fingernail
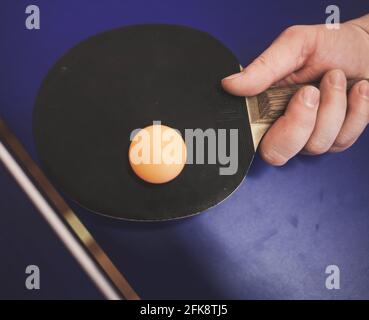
[337, 79]
[364, 89]
[311, 96]
[233, 76]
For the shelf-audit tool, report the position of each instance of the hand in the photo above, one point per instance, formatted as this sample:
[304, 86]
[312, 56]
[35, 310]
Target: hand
[316, 120]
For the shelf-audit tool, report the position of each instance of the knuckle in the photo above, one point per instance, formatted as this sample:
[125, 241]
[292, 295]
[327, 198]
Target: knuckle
[359, 106]
[317, 146]
[273, 157]
[262, 60]
[361, 114]
[293, 30]
[303, 122]
[342, 142]
[265, 62]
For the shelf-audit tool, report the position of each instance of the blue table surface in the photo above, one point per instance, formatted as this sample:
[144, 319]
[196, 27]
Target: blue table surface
[272, 239]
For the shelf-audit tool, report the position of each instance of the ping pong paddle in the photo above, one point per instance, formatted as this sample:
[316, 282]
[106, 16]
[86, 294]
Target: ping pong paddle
[120, 80]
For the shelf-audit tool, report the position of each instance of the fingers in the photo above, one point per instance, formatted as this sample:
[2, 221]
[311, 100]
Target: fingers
[286, 54]
[315, 126]
[357, 117]
[331, 113]
[290, 133]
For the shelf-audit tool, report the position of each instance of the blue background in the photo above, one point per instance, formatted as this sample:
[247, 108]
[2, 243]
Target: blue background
[272, 239]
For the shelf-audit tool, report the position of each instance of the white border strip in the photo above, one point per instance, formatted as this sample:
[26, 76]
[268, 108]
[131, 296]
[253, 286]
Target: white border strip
[65, 235]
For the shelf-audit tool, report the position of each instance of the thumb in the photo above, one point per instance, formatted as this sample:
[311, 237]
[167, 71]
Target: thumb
[285, 55]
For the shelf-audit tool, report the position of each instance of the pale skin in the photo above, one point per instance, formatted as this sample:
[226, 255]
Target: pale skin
[316, 120]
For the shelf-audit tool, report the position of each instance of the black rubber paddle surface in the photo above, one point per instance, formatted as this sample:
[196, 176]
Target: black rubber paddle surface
[124, 79]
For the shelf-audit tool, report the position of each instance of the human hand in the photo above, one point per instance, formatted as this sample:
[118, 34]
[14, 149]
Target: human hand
[316, 120]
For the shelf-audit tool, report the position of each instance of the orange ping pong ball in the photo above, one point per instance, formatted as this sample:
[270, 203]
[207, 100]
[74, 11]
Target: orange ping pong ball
[157, 154]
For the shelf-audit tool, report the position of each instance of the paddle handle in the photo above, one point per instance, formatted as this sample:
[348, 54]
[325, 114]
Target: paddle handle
[268, 106]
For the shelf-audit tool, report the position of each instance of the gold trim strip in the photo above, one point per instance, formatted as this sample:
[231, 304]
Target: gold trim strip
[64, 210]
